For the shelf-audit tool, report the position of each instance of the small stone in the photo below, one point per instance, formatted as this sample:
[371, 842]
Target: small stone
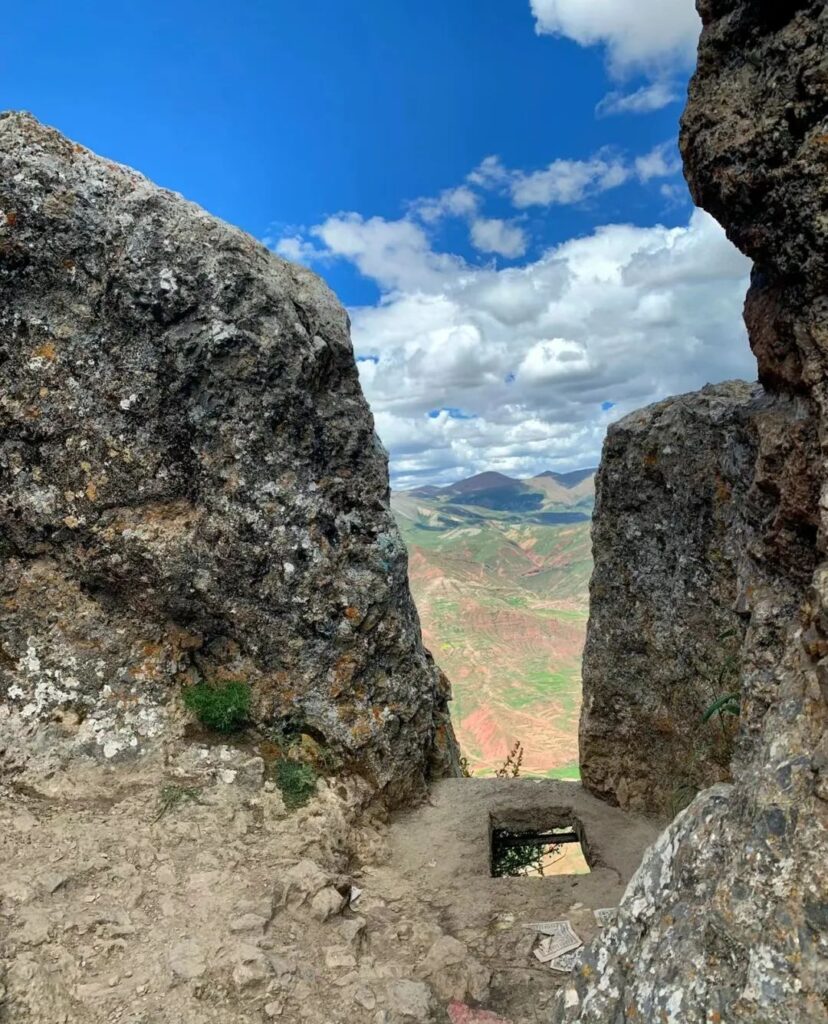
[274, 1008]
[248, 923]
[327, 903]
[186, 960]
[50, 882]
[36, 928]
[365, 997]
[251, 968]
[307, 878]
[339, 957]
[412, 1000]
[352, 931]
[454, 973]
[165, 875]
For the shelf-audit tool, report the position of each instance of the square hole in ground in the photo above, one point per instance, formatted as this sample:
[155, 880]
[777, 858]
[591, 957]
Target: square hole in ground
[537, 844]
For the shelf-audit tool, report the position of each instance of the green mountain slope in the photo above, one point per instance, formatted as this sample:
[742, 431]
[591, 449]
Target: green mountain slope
[499, 569]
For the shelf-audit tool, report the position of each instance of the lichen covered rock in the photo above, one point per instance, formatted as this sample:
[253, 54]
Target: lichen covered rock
[727, 918]
[192, 488]
[669, 518]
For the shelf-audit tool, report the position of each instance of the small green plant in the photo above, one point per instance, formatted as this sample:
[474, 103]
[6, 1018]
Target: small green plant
[721, 682]
[219, 706]
[510, 769]
[171, 796]
[465, 769]
[682, 796]
[725, 705]
[297, 782]
[520, 859]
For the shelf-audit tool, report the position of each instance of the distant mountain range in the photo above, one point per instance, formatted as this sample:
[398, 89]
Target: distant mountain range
[499, 568]
[550, 498]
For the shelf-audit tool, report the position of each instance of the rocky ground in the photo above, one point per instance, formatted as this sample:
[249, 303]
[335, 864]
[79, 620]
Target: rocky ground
[180, 889]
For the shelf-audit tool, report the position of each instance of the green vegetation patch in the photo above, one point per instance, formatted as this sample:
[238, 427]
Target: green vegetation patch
[172, 796]
[297, 782]
[221, 706]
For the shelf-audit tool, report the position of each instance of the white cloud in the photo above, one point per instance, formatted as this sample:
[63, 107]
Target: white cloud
[397, 254]
[489, 173]
[499, 236]
[661, 162]
[452, 202]
[296, 248]
[642, 101]
[567, 181]
[564, 182]
[516, 364]
[639, 35]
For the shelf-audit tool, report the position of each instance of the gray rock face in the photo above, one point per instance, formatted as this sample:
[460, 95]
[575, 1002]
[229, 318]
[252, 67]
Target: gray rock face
[727, 918]
[191, 484]
[669, 519]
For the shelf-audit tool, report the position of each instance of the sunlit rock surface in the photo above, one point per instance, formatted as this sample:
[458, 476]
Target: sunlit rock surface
[668, 532]
[727, 918]
[192, 488]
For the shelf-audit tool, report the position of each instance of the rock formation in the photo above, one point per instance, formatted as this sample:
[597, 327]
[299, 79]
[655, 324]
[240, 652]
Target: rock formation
[670, 515]
[727, 918]
[192, 488]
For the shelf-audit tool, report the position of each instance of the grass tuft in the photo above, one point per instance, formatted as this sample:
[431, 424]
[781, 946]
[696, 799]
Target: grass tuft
[297, 782]
[171, 796]
[223, 706]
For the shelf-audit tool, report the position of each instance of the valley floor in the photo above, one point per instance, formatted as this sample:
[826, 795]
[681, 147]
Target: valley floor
[178, 890]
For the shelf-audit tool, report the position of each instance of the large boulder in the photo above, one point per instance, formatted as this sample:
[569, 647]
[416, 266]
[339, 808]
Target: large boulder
[192, 489]
[727, 918]
[667, 533]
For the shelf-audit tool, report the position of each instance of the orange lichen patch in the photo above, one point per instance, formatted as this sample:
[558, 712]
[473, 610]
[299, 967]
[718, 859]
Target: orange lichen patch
[352, 613]
[154, 523]
[651, 459]
[345, 669]
[148, 669]
[45, 351]
[664, 724]
[270, 752]
[182, 640]
[723, 489]
[361, 733]
[11, 218]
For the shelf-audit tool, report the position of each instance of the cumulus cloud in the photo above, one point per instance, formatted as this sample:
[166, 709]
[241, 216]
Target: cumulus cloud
[469, 367]
[639, 35]
[565, 182]
[644, 100]
[395, 253]
[452, 202]
[661, 162]
[490, 234]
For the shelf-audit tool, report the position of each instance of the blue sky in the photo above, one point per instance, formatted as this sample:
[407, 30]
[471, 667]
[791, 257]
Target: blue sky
[491, 186]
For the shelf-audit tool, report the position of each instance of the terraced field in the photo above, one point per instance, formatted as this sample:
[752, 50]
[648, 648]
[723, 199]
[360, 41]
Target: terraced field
[503, 603]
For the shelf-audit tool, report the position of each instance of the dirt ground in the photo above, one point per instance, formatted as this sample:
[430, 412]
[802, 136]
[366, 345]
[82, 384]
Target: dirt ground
[178, 890]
